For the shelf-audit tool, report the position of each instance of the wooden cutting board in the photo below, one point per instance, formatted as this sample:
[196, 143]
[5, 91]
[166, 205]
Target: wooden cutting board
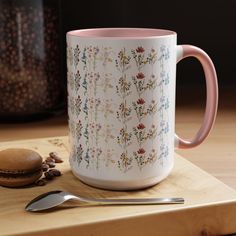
[210, 207]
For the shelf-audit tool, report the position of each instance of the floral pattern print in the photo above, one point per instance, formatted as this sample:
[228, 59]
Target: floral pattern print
[141, 87]
[142, 111]
[77, 105]
[107, 108]
[124, 112]
[142, 108]
[113, 113]
[143, 135]
[69, 55]
[107, 132]
[123, 61]
[77, 153]
[123, 90]
[77, 79]
[139, 57]
[124, 138]
[125, 162]
[90, 57]
[78, 129]
[163, 104]
[70, 80]
[142, 158]
[108, 157]
[107, 82]
[106, 56]
[76, 55]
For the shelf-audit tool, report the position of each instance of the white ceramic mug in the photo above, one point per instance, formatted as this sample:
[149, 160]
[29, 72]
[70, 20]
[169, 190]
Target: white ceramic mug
[121, 104]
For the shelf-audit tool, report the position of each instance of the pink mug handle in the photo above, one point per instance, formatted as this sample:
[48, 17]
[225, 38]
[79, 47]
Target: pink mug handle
[184, 51]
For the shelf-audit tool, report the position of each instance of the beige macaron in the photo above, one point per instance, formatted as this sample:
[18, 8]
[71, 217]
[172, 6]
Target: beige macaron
[19, 167]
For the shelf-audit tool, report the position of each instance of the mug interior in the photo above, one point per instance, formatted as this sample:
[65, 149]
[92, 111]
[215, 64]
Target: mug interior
[121, 33]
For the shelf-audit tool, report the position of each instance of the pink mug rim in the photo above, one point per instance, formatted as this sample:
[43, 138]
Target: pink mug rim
[121, 33]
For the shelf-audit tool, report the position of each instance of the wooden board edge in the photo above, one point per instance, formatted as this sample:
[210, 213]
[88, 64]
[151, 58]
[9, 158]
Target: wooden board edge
[215, 219]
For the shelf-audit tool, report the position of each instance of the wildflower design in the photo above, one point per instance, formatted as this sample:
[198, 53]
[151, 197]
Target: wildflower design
[143, 108]
[71, 82]
[163, 106]
[107, 108]
[123, 90]
[77, 154]
[107, 132]
[108, 157]
[124, 112]
[78, 130]
[125, 162]
[90, 57]
[138, 97]
[69, 55]
[106, 56]
[123, 61]
[106, 82]
[77, 105]
[139, 57]
[77, 78]
[76, 55]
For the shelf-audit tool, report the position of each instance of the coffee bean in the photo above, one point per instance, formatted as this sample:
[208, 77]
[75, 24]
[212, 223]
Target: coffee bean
[49, 159]
[51, 164]
[41, 182]
[45, 167]
[55, 156]
[55, 172]
[48, 175]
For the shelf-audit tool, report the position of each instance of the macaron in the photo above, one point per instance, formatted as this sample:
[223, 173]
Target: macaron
[19, 167]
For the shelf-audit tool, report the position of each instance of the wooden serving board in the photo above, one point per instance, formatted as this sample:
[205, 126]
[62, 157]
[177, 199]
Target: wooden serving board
[210, 207]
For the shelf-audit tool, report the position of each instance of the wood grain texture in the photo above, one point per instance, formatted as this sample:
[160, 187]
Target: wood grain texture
[210, 207]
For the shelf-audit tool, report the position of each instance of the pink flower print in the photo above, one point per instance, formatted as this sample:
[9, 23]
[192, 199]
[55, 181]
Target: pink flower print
[141, 126]
[141, 151]
[140, 75]
[140, 101]
[140, 50]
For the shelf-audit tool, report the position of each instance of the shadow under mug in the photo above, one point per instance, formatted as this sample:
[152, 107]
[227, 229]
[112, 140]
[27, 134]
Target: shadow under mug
[121, 104]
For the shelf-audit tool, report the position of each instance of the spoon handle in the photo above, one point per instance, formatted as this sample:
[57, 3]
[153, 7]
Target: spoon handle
[134, 201]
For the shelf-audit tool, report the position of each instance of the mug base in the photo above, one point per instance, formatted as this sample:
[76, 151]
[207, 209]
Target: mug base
[121, 185]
